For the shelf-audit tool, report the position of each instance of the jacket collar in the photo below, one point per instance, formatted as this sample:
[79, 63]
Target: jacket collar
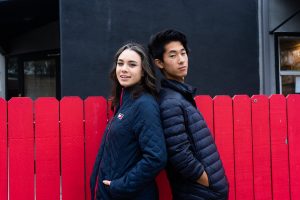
[186, 90]
[126, 94]
[126, 98]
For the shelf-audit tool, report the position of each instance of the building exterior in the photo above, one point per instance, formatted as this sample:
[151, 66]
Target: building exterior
[279, 46]
[65, 48]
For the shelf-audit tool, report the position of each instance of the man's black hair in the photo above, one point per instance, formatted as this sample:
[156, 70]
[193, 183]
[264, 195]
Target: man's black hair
[158, 41]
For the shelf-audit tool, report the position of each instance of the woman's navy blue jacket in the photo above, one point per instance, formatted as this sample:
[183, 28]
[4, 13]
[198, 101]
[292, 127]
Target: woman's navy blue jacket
[132, 152]
[190, 146]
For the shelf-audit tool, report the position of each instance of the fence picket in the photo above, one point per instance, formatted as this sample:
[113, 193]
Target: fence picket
[261, 148]
[47, 148]
[279, 147]
[205, 105]
[21, 150]
[293, 109]
[95, 110]
[72, 148]
[3, 150]
[243, 147]
[163, 186]
[223, 127]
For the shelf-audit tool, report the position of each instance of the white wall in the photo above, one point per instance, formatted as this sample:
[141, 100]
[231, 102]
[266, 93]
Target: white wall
[2, 76]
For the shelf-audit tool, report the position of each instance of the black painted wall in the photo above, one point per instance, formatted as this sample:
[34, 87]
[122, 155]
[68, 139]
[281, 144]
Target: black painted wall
[43, 38]
[223, 37]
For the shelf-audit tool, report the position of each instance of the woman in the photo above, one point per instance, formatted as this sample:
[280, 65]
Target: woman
[133, 148]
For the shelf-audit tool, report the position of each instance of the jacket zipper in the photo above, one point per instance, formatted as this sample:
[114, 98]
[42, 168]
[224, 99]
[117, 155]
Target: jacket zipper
[95, 189]
[97, 180]
[108, 131]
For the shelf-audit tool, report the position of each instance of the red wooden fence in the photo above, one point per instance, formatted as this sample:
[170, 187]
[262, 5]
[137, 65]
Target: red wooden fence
[47, 147]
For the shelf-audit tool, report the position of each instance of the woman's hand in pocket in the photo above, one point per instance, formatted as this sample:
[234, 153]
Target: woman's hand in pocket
[106, 182]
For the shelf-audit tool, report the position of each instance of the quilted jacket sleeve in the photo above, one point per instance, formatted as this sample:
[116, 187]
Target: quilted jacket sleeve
[148, 129]
[179, 151]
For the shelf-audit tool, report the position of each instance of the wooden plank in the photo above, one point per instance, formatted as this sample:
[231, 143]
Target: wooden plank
[205, 105]
[279, 147]
[21, 149]
[163, 186]
[72, 148]
[47, 148]
[3, 150]
[223, 127]
[243, 147]
[261, 148]
[110, 112]
[95, 110]
[293, 109]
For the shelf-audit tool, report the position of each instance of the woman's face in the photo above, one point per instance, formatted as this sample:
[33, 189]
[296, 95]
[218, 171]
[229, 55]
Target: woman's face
[129, 68]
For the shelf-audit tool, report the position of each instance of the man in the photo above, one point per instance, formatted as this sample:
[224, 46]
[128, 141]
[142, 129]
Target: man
[194, 168]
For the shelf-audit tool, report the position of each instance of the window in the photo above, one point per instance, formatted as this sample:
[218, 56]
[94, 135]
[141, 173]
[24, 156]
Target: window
[289, 64]
[33, 75]
[12, 83]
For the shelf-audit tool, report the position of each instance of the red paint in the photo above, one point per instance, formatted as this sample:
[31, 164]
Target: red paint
[72, 148]
[163, 186]
[293, 111]
[249, 133]
[95, 109]
[223, 126]
[205, 106]
[3, 150]
[243, 147]
[279, 147]
[47, 148]
[261, 148]
[21, 149]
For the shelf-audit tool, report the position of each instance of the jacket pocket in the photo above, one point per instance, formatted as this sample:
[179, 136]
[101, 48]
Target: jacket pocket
[198, 190]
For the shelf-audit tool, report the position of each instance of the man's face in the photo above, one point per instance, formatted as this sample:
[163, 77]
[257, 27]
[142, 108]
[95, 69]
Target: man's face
[175, 61]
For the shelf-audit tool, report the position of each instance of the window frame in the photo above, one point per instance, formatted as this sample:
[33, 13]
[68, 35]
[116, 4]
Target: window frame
[280, 73]
[29, 57]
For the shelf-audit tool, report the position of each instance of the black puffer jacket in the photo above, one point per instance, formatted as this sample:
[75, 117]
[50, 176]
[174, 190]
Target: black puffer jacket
[132, 152]
[190, 146]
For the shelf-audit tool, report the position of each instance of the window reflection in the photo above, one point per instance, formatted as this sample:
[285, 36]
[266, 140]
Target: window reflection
[288, 84]
[289, 69]
[13, 78]
[40, 78]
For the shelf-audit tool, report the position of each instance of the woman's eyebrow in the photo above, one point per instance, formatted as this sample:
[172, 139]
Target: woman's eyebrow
[132, 61]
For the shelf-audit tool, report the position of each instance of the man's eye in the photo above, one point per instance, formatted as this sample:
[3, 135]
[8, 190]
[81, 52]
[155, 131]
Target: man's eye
[183, 53]
[172, 56]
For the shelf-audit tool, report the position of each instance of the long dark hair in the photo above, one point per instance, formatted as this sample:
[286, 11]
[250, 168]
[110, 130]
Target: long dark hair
[147, 82]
